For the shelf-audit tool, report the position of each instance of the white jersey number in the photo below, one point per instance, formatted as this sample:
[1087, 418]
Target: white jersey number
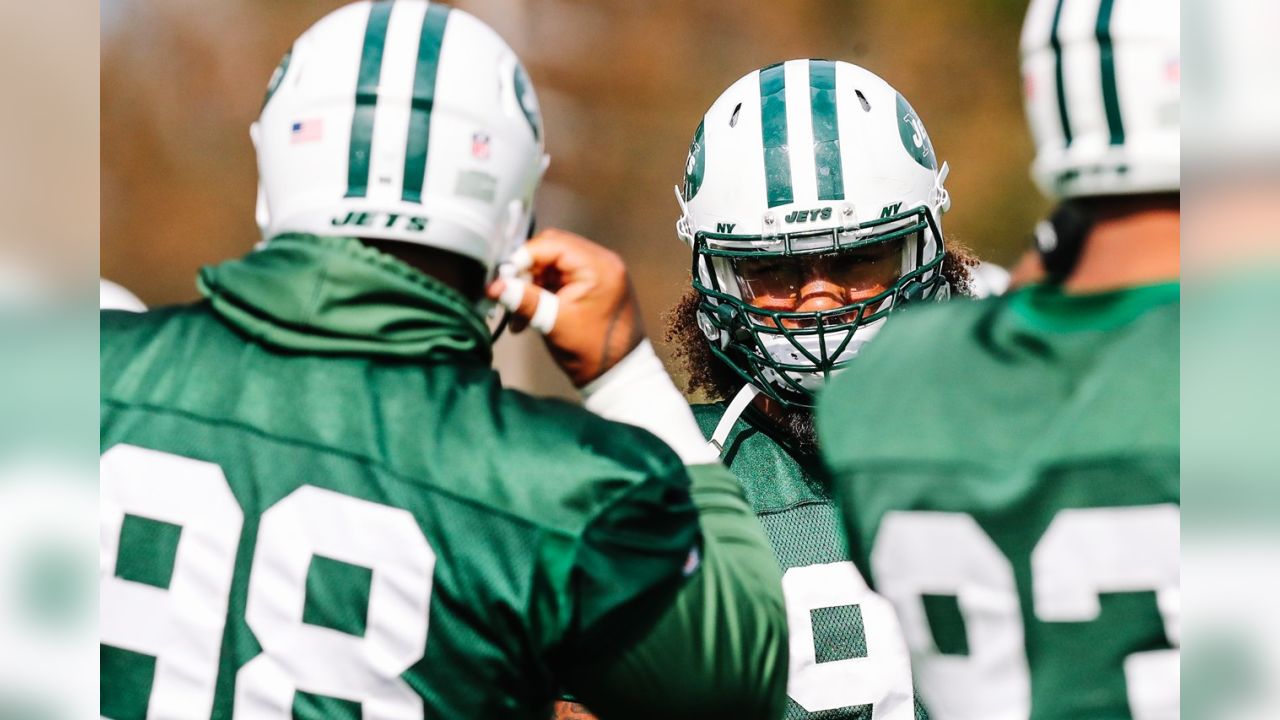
[882, 679]
[182, 626]
[1084, 552]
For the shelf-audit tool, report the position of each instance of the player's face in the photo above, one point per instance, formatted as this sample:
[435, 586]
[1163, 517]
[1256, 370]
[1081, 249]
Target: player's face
[814, 283]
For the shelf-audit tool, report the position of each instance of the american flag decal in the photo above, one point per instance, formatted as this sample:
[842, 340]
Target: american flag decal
[305, 131]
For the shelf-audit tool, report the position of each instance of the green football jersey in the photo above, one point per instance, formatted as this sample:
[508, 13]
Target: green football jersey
[848, 658]
[372, 532]
[1008, 471]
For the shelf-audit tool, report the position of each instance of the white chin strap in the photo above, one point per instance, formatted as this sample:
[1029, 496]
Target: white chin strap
[731, 415]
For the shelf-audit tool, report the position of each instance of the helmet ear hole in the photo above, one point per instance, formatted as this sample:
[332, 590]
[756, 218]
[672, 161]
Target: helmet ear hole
[733, 119]
[862, 99]
[1060, 239]
[743, 336]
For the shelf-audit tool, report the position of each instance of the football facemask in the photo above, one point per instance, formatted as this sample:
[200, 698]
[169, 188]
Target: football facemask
[803, 304]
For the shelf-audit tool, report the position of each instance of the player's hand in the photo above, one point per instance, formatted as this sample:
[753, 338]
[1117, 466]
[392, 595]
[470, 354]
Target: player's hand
[580, 298]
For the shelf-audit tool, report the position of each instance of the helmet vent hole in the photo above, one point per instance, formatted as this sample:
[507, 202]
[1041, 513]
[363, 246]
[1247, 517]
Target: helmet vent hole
[866, 106]
[733, 119]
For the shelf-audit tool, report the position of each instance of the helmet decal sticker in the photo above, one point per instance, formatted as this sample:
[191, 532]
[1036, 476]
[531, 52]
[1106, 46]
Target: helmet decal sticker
[528, 101]
[480, 143]
[375, 38]
[424, 96]
[914, 137]
[477, 185]
[826, 130]
[306, 131]
[695, 166]
[277, 78]
[803, 216]
[773, 122]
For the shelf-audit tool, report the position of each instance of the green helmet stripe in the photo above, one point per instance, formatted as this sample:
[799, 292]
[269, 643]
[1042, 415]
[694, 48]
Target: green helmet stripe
[826, 129]
[375, 37]
[773, 124]
[1056, 43]
[1110, 94]
[424, 96]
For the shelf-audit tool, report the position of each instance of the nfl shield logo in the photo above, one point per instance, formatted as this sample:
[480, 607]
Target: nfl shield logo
[480, 146]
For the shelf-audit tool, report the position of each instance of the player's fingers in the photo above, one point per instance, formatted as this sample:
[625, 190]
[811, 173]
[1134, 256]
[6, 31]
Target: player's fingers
[508, 291]
[562, 251]
[544, 318]
[520, 261]
[527, 302]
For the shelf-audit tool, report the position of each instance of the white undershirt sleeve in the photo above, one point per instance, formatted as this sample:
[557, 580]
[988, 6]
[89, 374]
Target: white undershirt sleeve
[638, 391]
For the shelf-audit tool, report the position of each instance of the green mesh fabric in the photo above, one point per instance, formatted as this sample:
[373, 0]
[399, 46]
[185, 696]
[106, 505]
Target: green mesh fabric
[838, 633]
[792, 498]
[155, 544]
[807, 534]
[337, 595]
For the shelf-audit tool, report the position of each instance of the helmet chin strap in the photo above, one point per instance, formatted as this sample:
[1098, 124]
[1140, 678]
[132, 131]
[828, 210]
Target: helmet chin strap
[941, 197]
[511, 267]
[731, 415]
[682, 222]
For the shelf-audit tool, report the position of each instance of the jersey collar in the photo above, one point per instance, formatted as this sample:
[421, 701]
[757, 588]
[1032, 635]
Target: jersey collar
[336, 295]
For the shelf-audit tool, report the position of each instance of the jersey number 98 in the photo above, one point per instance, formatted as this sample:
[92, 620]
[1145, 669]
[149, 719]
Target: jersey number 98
[182, 625]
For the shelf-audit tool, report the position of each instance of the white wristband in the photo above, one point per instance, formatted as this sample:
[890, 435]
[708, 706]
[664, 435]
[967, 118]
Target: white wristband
[637, 391]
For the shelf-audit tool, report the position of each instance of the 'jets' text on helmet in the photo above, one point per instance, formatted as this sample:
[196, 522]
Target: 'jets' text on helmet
[1102, 84]
[403, 120]
[808, 162]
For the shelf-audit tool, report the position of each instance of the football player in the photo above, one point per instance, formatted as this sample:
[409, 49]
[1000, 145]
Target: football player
[1009, 468]
[317, 500]
[813, 205]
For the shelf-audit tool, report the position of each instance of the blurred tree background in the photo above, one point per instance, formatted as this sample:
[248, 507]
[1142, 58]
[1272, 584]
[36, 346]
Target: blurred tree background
[622, 84]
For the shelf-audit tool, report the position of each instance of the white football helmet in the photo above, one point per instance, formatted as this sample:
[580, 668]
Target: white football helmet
[1233, 123]
[1101, 80]
[808, 161]
[403, 120]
